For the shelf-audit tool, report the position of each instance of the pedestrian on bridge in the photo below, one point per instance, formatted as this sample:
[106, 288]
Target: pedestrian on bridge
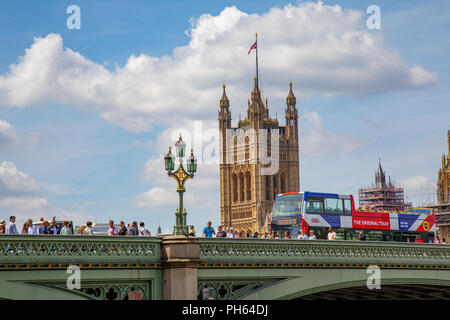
[12, 229]
[112, 231]
[302, 235]
[134, 229]
[53, 229]
[312, 236]
[2, 226]
[209, 231]
[123, 230]
[192, 231]
[221, 233]
[66, 230]
[142, 231]
[331, 234]
[25, 228]
[31, 228]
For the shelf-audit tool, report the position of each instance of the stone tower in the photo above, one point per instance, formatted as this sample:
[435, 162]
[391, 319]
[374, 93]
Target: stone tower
[383, 196]
[258, 159]
[443, 182]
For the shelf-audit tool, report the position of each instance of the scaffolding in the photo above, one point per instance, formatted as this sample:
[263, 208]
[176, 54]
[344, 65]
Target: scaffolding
[383, 196]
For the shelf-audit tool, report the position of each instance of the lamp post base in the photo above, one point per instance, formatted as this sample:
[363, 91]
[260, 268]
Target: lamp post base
[180, 228]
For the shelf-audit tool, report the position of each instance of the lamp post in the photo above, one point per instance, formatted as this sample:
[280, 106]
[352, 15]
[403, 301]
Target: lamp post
[180, 175]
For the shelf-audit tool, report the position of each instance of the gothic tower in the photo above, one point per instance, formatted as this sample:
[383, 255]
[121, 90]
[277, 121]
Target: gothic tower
[443, 182]
[259, 158]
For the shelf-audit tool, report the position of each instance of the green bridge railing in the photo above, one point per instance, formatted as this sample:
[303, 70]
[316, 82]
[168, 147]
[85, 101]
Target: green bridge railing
[265, 251]
[52, 249]
[40, 249]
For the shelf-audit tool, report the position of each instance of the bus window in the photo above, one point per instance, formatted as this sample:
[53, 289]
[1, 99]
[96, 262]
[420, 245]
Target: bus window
[314, 205]
[340, 234]
[287, 205]
[334, 206]
[347, 206]
[374, 235]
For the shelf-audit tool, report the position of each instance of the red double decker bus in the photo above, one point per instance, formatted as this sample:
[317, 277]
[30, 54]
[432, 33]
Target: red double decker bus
[318, 211]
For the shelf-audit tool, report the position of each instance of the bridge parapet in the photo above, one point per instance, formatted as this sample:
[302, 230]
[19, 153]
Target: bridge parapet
[266, 251]
[58, 249]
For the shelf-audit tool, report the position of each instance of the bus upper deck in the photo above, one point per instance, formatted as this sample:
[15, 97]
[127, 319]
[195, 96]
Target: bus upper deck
[319, 211]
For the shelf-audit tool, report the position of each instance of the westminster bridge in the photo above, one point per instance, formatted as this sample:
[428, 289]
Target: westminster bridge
[178, 267]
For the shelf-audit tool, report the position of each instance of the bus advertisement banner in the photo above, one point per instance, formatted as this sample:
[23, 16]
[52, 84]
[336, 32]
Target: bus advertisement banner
[371, 220]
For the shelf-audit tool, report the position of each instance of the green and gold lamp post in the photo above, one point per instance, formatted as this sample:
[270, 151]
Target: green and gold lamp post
[180, 175]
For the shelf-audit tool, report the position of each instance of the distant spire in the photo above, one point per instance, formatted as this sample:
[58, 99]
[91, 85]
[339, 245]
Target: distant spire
[380, 178]
[224, 102]
[256, 94]
[290, 100]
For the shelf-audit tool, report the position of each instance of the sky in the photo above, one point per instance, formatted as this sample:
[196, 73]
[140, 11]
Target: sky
[87, 114]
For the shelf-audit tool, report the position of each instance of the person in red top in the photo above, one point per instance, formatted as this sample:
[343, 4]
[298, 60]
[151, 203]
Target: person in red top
[418, 240]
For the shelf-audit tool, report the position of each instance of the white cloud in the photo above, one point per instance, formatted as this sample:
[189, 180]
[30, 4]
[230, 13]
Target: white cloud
[162, 195]
[326, 50]
[420, 190]
[23, 203]
[14, 181]
[7, 134]
[24, 197]
[316, 140]
[155, 197]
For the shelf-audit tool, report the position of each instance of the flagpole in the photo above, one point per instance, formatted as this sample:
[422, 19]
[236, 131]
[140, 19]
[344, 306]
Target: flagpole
[257, 75]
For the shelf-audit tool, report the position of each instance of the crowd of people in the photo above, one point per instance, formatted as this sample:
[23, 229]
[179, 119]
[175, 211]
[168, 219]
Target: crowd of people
[52, 228]
[209, 232]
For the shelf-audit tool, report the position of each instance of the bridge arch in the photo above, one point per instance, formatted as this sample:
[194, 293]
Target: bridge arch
[310, 282]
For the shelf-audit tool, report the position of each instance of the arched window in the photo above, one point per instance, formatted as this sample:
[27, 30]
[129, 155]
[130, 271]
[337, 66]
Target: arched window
[235, 188]
[275, 189]
[235, 149]
[268, 188]
[247, 148]
[249, 186]
[241, 187]
[283, 183]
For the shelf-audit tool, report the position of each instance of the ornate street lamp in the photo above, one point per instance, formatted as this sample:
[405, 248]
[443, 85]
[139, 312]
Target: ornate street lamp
[180, 176]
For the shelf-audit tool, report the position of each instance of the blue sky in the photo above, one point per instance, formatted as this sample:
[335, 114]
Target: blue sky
[69, 153]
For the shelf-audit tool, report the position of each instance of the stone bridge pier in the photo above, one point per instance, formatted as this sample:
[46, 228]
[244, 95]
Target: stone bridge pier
[180, 258]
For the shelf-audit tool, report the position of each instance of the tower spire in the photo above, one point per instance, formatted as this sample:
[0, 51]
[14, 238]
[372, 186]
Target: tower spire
[257, 74]
[224, 102]
[290, 100]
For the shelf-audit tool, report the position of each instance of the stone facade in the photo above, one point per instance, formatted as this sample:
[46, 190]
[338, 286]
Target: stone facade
[382, 196]
[443, 195]
[443, 183]
[258, 159]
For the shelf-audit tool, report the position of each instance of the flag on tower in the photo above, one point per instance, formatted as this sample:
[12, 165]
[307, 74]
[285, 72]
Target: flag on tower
[253, 46]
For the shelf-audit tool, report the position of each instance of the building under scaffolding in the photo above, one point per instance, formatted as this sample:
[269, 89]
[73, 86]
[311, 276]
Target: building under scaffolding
[383, 196]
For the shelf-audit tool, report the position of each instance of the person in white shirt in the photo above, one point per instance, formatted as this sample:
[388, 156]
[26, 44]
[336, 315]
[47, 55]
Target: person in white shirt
[112, 231]
[31, 228]
[142, 231]
[331, 234]
[12, 229]
[88, 230]
[312, 236]
[302, 235]
[230, 233]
